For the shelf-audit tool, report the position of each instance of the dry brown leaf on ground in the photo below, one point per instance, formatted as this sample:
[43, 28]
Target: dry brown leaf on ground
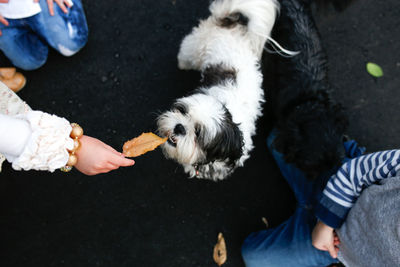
[265, 221]
[144, 143]
[220, 254]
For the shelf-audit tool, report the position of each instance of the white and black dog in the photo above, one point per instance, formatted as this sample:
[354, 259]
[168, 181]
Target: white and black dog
[210, 132]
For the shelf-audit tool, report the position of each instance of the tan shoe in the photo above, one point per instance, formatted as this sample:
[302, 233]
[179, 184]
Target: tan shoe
[14, 80]
[7, 73]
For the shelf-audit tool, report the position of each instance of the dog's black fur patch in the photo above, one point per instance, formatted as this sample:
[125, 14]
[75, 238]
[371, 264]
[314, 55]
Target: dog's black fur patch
[310, 124]
[234, 19]
[227, 145]
[339, 5]
[217, 74]
[181, 107]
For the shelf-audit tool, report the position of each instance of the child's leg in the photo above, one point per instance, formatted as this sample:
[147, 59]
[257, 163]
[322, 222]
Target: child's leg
[22, 46]
[287, 245]
[67, 33]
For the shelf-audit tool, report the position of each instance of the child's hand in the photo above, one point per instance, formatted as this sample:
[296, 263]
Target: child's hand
[325, 238]
[2, 19]
[96, 157]
[63, 4]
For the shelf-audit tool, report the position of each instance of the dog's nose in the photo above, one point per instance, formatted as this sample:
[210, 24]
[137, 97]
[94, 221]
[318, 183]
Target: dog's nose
[179, 129]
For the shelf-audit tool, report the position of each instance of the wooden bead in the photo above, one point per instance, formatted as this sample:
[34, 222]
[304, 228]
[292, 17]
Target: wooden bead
[77, 145]
[72, 160]
[77, 131]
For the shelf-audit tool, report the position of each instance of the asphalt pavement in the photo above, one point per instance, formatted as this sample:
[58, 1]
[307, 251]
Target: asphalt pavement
[151, 214]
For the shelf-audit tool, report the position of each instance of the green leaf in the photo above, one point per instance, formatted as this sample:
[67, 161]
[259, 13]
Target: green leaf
[374, 69]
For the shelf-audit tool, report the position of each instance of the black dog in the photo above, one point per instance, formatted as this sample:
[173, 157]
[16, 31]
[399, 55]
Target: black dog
[310, 124]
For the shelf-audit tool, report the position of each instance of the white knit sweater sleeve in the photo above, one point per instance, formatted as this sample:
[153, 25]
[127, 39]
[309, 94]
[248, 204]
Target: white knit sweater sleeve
[14, 134]
[46, 147]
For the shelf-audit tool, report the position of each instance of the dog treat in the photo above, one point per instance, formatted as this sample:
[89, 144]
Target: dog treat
[220, 250]
[144, 143]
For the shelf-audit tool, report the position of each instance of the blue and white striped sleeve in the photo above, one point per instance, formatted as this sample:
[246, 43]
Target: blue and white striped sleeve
[343, 188]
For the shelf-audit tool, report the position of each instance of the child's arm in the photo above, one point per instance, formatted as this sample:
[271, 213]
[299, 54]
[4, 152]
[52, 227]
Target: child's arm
[343, 188]
[41, 141]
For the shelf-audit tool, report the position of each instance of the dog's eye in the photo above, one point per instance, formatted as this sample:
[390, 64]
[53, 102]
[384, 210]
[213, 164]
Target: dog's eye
[181, 108]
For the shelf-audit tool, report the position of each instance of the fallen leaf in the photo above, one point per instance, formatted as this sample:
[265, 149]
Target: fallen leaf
[374, 69]
[220, 255]
[265, 221]
[144, 143]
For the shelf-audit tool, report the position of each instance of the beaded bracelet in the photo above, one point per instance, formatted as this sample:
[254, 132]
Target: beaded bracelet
[76, 133]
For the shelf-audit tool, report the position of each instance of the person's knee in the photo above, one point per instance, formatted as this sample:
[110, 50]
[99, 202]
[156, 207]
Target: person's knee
[29, 63]
[251, 256]
[72, 46]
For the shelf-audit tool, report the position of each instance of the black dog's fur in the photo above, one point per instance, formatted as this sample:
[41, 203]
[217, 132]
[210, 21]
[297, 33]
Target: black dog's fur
[310, 124]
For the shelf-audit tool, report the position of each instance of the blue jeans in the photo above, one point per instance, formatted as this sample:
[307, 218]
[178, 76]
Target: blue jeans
[289, 244]
[25, 41]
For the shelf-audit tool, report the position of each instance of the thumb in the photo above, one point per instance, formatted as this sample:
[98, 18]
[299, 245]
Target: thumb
[332, 251]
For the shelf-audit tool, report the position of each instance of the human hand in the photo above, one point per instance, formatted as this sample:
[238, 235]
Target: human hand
[96, 157]
[63, 4]
[2, 19]
[325, 238]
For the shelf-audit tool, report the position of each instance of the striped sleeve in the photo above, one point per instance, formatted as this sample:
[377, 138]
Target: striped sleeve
[343, 188]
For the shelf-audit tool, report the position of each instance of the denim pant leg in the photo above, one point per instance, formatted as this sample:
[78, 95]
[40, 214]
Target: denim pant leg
[290, 243]
[22, 46]
[301, 186]
[66, 33]
[287, 245]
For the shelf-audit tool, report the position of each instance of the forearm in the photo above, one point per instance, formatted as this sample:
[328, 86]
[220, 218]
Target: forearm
[343, 189]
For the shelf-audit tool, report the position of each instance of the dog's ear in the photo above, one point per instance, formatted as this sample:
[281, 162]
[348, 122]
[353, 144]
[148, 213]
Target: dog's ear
[227, 144]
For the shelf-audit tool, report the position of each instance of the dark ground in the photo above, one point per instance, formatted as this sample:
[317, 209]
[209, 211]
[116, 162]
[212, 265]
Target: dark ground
[151, 214]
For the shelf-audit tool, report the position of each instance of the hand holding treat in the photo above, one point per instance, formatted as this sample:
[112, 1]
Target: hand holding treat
[96, 157]
[140, 145]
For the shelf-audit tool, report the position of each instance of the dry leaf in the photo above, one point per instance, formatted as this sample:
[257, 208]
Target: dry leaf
[142, 144]
[220, 250]
[265, 221]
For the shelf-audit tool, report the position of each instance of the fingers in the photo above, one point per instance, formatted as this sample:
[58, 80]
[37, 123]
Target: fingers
[3, 20]
[60, 3]
[120, 158]
[122, 161]
[51, 7]
[336, 241]
[332, 251]
[68, 3]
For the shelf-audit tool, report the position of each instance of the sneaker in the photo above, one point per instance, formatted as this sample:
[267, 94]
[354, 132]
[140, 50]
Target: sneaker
[14, 80]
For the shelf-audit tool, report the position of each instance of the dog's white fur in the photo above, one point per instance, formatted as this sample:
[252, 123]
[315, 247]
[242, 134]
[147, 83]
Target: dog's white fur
[238, 48]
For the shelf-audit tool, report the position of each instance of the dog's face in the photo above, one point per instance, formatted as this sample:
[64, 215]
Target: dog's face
[200, 131]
